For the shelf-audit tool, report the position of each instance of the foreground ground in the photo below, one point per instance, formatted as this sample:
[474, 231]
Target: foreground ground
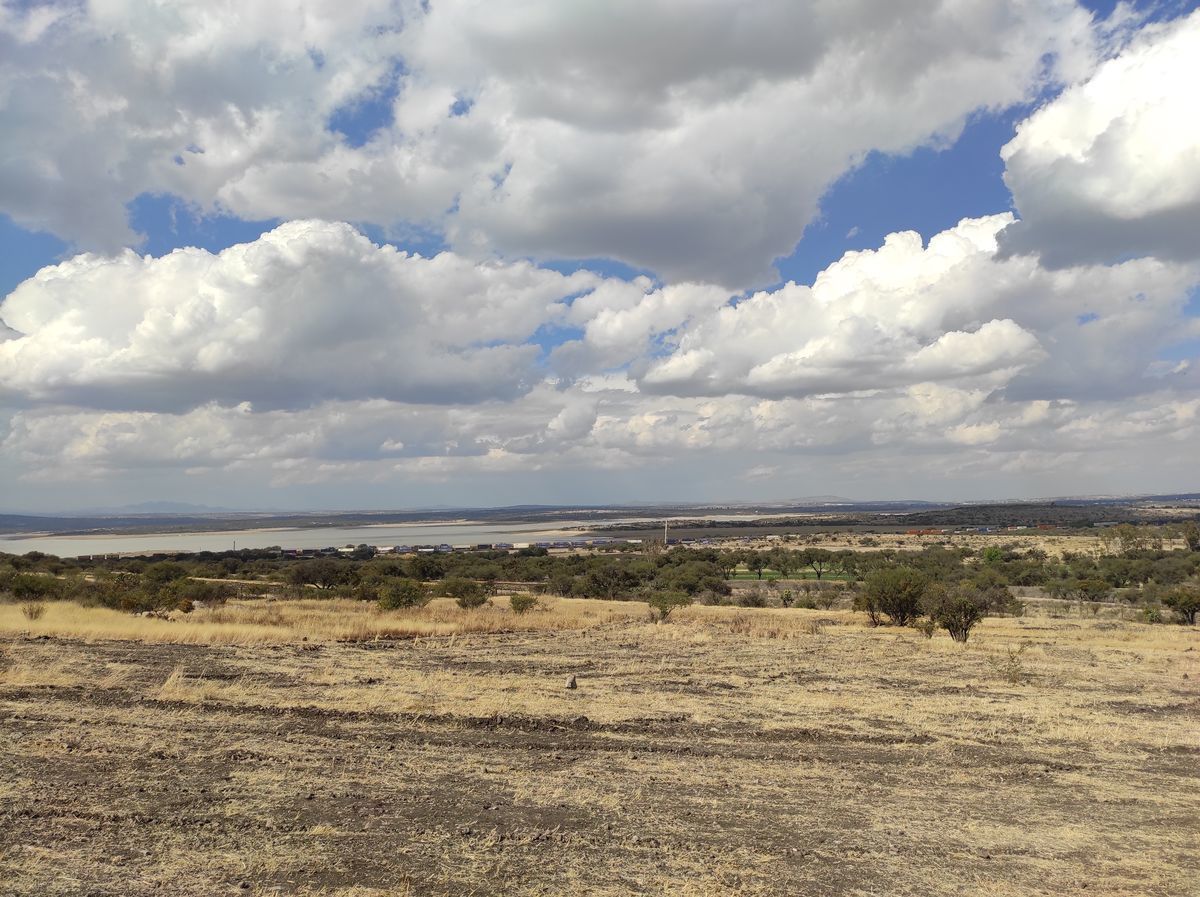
[727, 752]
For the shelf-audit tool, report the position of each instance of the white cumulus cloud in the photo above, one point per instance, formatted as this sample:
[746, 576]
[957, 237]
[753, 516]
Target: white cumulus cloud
[311, 311]
[1111, 168]
[693, 139]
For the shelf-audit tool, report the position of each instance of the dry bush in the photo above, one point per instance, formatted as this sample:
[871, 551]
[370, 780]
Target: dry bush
[1011, 667]
[33, 610]
[522, 603]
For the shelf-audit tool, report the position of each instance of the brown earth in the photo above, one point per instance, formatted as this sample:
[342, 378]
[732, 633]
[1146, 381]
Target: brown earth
[725, 753]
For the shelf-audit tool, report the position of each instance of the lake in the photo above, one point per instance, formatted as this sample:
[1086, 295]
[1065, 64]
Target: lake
[322, 537]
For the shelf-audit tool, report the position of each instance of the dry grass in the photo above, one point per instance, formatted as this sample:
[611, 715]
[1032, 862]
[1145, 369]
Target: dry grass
[728, 752]
[283, 622]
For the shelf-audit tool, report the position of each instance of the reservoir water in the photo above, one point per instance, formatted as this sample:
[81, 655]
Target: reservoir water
[317, 537]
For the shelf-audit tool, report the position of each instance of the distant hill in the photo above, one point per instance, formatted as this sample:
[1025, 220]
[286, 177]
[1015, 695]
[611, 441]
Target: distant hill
[166, 517]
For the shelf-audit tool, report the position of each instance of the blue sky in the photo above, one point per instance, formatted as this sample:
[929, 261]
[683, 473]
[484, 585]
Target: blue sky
[587, 333]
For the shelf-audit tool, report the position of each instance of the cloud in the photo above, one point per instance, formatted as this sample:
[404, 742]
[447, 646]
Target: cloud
[101, 102]
[309, 312]
[313, 355]
[949, 312]
[694, 140]
[1110, 169]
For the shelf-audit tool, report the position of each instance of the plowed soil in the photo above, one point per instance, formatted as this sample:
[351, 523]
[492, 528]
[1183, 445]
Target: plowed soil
[690, 759]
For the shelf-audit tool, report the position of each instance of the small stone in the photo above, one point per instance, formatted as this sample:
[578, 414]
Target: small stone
[571, 683]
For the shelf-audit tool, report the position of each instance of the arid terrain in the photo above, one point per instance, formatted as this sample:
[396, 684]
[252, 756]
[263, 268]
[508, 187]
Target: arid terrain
[324, 748]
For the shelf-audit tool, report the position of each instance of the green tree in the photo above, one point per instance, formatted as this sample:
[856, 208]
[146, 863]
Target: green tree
[956, 608]
[323, 573]
[522, 603]
[818, 560]
[756, 562]
[663, 603]
[894, 592]
[467, 593]
[397, 594]
[164, 572]
[1185, 602]
[692, 578]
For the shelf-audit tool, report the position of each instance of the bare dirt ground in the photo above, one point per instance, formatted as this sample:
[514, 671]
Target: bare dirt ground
[729, 752]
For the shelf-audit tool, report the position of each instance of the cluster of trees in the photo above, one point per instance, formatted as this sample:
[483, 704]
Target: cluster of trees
[158, 586]
[902, 595]
[942, 585]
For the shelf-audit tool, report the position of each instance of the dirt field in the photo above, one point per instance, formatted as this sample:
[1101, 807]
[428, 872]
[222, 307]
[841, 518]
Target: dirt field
[727, 752]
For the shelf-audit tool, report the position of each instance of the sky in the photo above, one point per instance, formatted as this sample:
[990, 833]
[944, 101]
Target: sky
[401, 253]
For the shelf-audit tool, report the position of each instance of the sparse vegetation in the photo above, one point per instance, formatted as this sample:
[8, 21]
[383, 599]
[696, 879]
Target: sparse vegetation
[523, 603]
[467, 593]
[894, 592]
[221, 749]
[397, 594]
[957, 609]
[663, 604]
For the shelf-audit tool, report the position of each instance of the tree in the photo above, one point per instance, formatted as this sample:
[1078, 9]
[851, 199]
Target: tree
[1089, 589]
[819, 560]
[895, 592]
[609, 581]
[1185, 602]
[522, 603]
[663, 603]
[783, 560]
[728, 561]
[956, 608]
[164, 572]
[323, 573]
[756, 562]
[692, 578]
[426, 566]
[467, 593]
[1191, 535]
[396, 594]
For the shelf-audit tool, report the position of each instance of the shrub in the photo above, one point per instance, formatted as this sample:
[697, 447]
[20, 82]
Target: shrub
[663, 603]
[956, 609]
[751, 598]
[34, 587]
[472, 601]
[926, 627]
[1185, 603]
[1011, 667]
[396, 594]
[33, 610]
[522, 603]
[323, 573]
[826, 598]
[894, 592]
[786, 597]
[164, 572]
[467, 593]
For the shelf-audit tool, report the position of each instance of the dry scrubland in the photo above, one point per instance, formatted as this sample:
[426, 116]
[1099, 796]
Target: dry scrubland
[322, 748]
